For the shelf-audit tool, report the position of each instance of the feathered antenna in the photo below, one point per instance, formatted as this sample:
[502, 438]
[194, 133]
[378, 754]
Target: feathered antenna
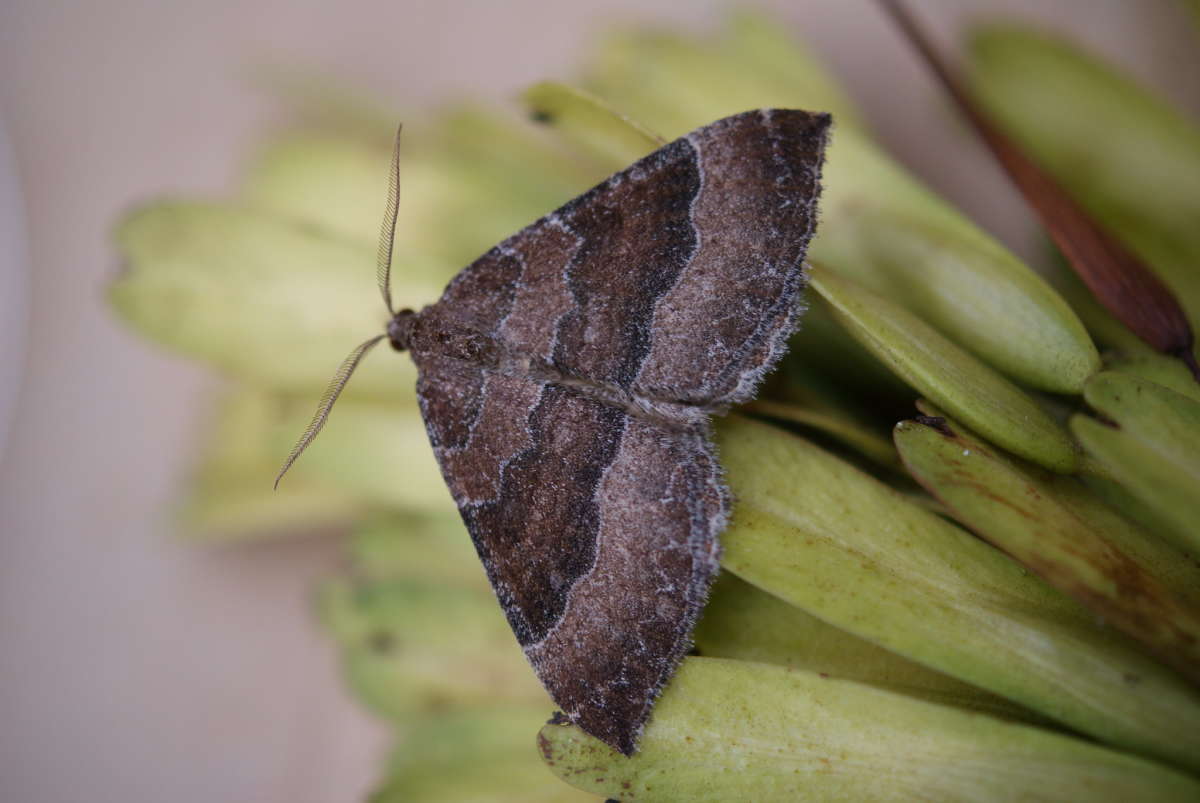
[383, 275]
[387, 232]
[326, 404]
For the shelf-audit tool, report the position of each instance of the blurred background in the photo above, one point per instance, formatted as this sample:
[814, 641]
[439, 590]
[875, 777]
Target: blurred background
[137, 667]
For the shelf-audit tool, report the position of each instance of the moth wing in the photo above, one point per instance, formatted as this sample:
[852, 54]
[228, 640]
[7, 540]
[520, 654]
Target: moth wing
[677, 278]
[597, 530]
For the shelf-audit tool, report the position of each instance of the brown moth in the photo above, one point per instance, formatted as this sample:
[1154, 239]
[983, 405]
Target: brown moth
[566, 379]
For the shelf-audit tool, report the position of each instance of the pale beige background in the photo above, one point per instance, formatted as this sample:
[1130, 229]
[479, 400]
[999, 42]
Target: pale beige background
[133, 668]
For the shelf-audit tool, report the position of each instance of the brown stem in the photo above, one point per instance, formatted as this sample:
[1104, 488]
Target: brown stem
[1118, 279]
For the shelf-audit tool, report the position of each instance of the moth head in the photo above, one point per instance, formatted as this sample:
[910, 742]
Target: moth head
[400, 329]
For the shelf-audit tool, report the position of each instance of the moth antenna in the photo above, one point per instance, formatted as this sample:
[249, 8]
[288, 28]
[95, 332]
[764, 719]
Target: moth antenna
[336, 385]
[387, 232]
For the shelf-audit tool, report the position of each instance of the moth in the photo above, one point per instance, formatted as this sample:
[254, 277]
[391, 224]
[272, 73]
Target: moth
[566, 380]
